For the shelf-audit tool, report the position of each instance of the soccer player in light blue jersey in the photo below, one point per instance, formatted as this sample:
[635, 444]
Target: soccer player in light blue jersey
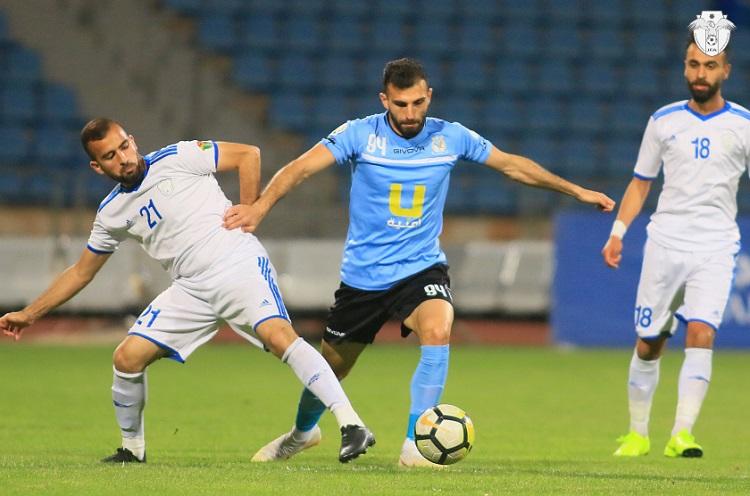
[393, 266]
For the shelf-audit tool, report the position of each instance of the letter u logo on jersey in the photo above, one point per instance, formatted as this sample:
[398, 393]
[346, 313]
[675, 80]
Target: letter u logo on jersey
[417, 201]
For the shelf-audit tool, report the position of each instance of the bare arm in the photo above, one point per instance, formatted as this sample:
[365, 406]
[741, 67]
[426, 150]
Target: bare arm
[311, 162]
[64, 287]
[631, 205]
[527, 171]
[246, 160]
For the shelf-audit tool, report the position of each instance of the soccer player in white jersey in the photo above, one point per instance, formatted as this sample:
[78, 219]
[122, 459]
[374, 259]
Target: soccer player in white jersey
[170, 203]
[393, 266]
[703, 146]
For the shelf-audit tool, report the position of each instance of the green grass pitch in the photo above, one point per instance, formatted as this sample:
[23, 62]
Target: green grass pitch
[546, 421]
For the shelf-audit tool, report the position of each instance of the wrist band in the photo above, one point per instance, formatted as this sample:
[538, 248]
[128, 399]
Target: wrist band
[618, 229]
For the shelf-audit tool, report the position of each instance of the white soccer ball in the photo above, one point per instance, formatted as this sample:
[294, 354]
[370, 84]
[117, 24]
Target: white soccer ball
[444, 434]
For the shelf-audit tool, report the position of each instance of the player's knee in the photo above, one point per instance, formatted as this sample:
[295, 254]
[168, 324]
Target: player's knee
[699, 335]
[127, 362]
[435, 334]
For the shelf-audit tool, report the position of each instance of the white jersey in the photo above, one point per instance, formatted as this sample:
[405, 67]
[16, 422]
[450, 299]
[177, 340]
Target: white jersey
[703, 157]
[175, 213]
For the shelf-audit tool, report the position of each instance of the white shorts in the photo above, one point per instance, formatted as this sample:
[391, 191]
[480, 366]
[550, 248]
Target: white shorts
[241, 291]
[694, 286]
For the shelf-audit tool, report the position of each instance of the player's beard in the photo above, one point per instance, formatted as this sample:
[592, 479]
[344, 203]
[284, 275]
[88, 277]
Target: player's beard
[133, 174]
[410, 132]
[702, 96]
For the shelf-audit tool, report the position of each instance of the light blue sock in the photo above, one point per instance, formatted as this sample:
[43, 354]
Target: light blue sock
[309, 411]
[428, 382]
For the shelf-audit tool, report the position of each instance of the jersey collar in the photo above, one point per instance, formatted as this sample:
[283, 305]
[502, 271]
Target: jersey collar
[711, 115]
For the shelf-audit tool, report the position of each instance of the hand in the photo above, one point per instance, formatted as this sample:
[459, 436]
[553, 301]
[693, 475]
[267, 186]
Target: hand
[13, 323]
[602, 201]
[248, 217]
[612, 252]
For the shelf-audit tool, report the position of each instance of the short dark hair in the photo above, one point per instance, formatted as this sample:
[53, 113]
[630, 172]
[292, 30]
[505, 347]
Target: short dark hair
[690, 40]
[403, 73]
[95, 130]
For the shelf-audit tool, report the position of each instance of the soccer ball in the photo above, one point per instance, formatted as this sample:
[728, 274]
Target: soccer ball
[444, 434]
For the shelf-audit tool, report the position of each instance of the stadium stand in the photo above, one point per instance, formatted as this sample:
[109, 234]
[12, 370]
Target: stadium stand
[568, 82]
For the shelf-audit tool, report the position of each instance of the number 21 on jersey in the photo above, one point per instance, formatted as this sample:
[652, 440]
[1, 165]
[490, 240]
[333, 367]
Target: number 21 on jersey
[147, 212]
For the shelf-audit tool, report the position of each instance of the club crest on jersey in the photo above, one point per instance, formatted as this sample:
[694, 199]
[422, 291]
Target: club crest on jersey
[711, 31]
[204, 145]
[166, 186]
[438, 144]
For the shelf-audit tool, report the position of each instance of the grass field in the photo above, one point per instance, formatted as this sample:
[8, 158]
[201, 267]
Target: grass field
[546, 422]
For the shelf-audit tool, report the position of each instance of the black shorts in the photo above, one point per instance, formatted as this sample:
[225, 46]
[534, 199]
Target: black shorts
[357, 315]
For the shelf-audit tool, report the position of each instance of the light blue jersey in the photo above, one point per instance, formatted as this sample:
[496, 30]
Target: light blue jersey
[397, 196]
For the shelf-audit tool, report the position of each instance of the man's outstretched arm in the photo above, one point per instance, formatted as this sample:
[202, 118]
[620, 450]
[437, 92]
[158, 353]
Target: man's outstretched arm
[528, 172]
[64, 287]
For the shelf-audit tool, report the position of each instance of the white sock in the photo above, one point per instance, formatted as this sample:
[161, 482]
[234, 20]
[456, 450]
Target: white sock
[317, 376]
[129, 399]
[642, 381]
[695, 376]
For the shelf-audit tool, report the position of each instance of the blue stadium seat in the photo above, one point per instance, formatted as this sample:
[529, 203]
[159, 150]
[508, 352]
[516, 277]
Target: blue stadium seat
[433, 37]
[651, 44]
[556, 78]
[297, 71]
[643, 79]
[188, 7]
[494, 195]
[228, 7]
[216, 31]
[365, 104]
[17, 102]
[676, 84]
[253, 71]
[259, 30]
[542, 149]
[608, 13]
[606, 43]
[308, 8]
[54, 147]
[564, 41]
[601, 82]
[22, 65]
[290, 111]
[586, 116]
[439, 9]
[303, 35]
[12, 189]
[58, 104]
[388, 35]
[349, 8]
[545, 114]
[684, 11]
[481, 9]
[520, 40]
[568, 12]
[469, 76]
[16, 144]
[476, 36]
[629, 117]
[503, 116]
[649, 13]
[521, 12]
[395, 7]
[265, 6]
[4, 31]
[620, 156]
[339, 73]
[513, 76]
[329, 111]
[455, 109]
[580, 158]
[346, 34]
